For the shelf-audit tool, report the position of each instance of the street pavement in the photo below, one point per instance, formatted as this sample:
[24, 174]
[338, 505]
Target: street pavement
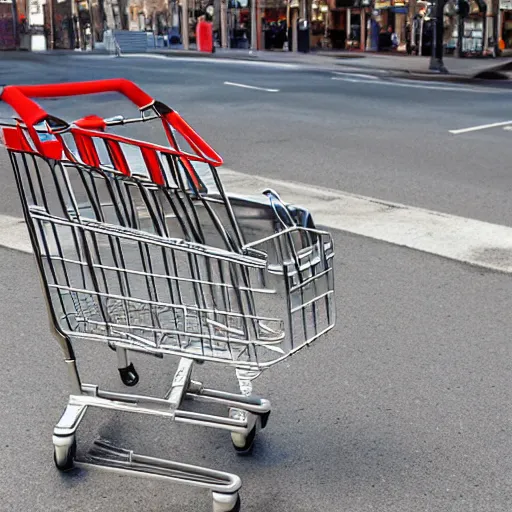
[405, 406]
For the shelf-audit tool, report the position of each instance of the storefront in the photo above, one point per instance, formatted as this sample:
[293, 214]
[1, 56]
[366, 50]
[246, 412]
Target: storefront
[401, 13]
[321, 17]
[383, 20]
[474, 30]
[505, 28]
[274, 16]
[61, 36]
[358, 24]
[8, 25]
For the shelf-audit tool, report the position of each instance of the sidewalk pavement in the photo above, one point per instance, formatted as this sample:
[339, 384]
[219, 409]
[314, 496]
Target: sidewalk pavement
[403, 65]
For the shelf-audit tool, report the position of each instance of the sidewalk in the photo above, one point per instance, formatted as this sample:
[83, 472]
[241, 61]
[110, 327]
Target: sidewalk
[396, 65]
[410, 66]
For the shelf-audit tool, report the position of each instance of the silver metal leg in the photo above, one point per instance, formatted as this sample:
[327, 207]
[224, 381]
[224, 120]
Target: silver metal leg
[105, 456]
[70, 420]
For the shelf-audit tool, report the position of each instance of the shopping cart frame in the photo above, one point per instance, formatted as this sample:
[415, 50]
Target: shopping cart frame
[251, 413]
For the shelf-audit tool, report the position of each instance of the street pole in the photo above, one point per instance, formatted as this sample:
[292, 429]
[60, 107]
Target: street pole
[91, 22]
[495, 26]
[223, 24]
[254, 25]
[460, 32]
[436, 59]
[295, 35]
[52, 31]
[184, 24]
[363, 31]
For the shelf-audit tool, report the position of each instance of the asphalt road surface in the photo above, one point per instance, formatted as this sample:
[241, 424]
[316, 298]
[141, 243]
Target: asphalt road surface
[404, 407]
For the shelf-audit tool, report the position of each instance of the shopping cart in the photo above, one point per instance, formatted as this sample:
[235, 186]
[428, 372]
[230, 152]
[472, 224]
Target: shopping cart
[139, 247]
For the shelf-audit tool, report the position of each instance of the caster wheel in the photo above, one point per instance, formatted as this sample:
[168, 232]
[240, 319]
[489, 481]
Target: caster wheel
[264, 419]
[226, 502]
[64, 453]
[129, 375]
[244, 444]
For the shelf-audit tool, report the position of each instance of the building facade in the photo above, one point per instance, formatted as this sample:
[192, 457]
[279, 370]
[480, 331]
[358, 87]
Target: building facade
[354, 25]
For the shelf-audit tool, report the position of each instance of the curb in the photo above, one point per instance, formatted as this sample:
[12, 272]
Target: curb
[493, 74]
[433, 76]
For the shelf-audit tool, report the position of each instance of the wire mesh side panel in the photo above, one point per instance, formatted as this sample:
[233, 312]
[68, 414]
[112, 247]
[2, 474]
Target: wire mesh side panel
[300, 268]
[110, 281]
[180, 205]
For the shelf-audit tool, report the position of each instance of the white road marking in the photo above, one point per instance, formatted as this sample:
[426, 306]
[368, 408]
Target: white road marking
[358, 75]
[244, 86]
[209, 60]
[479, 127]
[349, 69]
[461, 239]
[411, 85]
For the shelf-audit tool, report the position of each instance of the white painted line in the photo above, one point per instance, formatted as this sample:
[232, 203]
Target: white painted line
[358, 75]
[479, 127]
[415, 85]
[234, 84]
[349, 69]
[466, 240]
[177, 58]
[400, 84]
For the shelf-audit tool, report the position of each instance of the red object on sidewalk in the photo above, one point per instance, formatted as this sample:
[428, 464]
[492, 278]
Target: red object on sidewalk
[204, 36]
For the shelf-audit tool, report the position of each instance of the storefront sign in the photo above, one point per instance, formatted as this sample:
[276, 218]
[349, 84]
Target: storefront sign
[35, 7]
[382, 4]
[506, 5]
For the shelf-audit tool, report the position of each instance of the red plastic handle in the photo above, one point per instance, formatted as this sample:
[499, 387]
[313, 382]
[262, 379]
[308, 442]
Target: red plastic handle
[18, 96]
[198, 145]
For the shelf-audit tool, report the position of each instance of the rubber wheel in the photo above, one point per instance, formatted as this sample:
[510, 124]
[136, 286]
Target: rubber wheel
[246, 448]
[67, 461]
[238, 505]
[264, 419]
[236, 508]
[129, 375]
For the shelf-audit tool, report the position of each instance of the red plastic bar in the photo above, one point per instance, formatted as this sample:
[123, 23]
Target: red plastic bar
[193, 139]
[18, 96]
[153, 165]
[87, 150]
[15, 140]
[117, 157]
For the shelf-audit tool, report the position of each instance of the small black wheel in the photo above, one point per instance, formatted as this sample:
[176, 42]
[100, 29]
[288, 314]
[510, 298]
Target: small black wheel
[129, 375]
[264, 419]
[238, 505]
[64, 455]
[243, 444]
